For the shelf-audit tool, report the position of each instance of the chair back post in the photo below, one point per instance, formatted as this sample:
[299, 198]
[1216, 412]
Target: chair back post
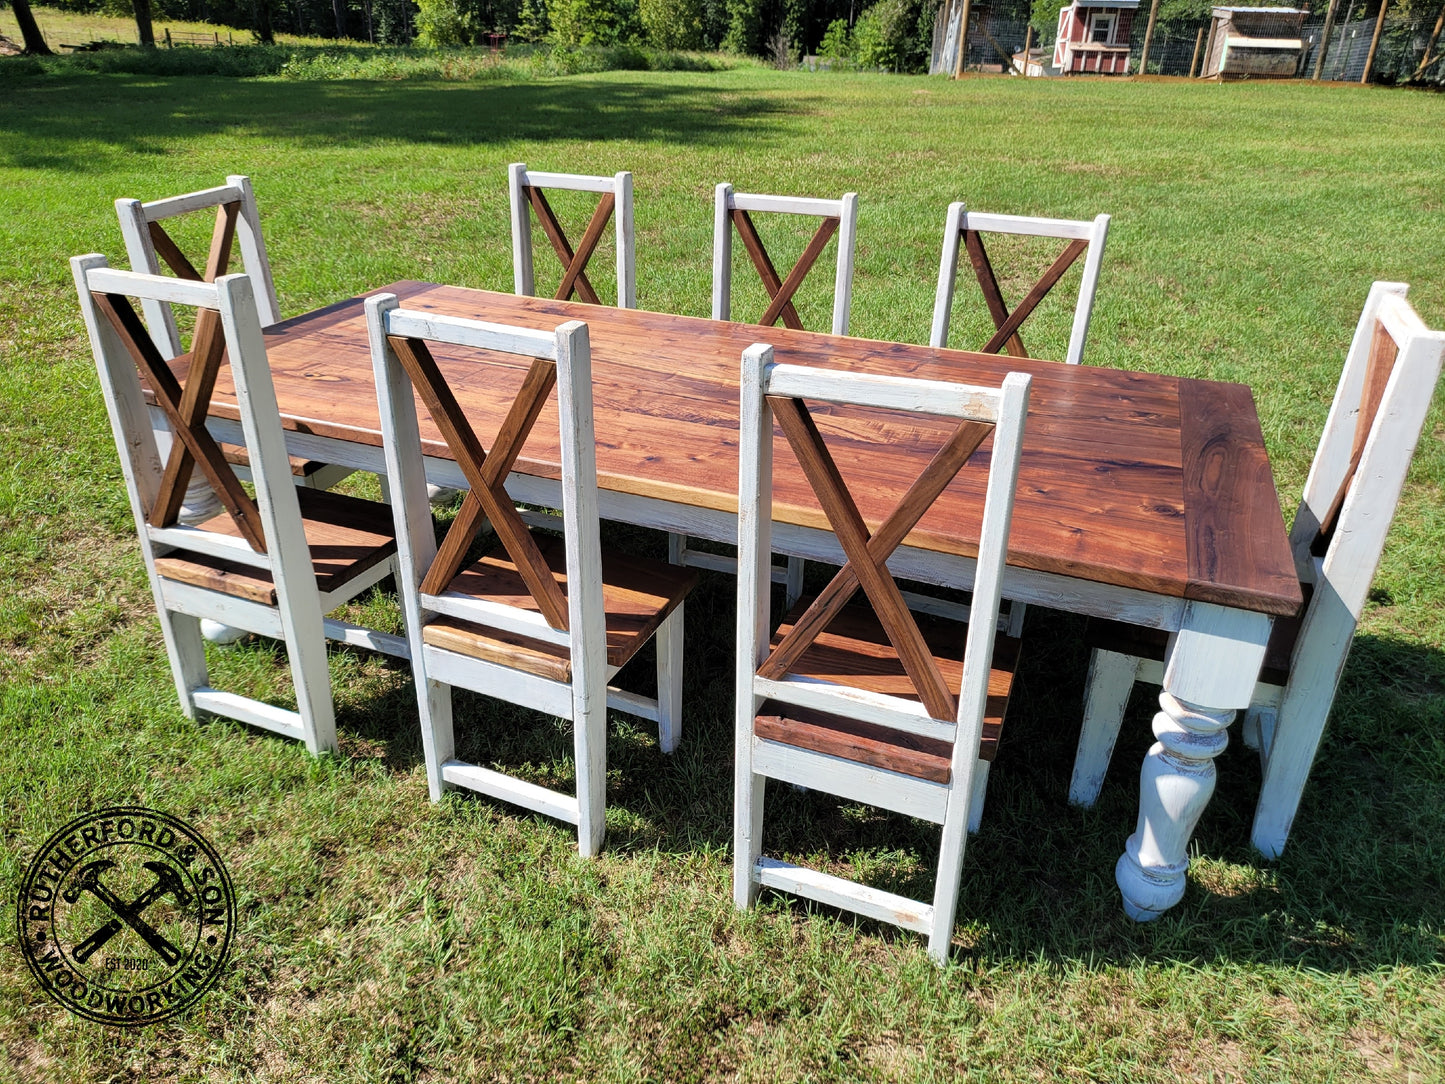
[947, 275]
[586, 614]
[1084, 310]
[843, 280]
[142, 255]
[626, 242]
[755, 527]
[1331, 463]
[523, 276]
[722, 253]
[254, 260]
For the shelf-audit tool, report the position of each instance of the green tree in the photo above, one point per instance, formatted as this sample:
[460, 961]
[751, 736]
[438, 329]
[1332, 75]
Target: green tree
[143, 22]
[594, 22]
[442, 23]
[30, 34]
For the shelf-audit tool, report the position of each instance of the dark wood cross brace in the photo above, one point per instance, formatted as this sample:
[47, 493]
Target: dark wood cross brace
[486, 474]
[780, 290]
[1006, 339]
[867, 554]
[574, 264]
[186, 407]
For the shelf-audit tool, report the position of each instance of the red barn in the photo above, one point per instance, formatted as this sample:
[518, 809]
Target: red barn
[1094, 36]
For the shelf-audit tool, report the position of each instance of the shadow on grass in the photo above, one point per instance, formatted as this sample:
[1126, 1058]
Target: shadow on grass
[60, 123]
[1359, 886]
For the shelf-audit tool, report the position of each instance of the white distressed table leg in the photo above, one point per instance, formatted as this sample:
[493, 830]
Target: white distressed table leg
[1209, 673]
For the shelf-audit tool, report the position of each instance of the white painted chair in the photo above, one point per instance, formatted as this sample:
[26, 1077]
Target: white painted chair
[527, 189]
[539, 622]
[274, 564]
[238, 224]
[855, 701]
[1338, 537]
[969, 227]
[734, 211]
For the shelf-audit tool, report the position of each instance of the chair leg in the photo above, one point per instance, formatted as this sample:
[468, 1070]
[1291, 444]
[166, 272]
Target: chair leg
[438, 741]
[950, 873]
[1290, 753]
[187, 653]
[589, 742]
[669, 681]
[749, 789]
[976, 799]
[312, 679]
[1110, 681]
[1016, 611]
[793, 588]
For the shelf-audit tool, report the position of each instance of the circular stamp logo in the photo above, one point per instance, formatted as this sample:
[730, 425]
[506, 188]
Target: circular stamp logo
[126, 916]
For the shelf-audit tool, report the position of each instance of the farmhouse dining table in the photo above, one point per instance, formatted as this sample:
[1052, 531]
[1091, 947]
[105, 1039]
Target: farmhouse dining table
[1141, 497]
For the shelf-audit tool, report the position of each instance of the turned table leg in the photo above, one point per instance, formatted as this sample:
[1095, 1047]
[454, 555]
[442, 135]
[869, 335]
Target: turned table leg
[1210, 671]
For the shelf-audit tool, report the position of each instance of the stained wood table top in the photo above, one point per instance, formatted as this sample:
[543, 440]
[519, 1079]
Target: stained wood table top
[1129, 479]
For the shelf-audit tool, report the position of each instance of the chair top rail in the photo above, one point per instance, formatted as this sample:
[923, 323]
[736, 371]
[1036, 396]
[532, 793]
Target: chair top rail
[479, 334]
[1071, 229]
[1400, 319]
[158, 209]
[113, 280]
[934, 397]
[571, 182]
[788, 205]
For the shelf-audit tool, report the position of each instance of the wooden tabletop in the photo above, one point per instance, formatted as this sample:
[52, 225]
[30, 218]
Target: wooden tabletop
[1129, 479]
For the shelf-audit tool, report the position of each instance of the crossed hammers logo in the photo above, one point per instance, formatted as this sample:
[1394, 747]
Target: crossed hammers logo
[168, 882]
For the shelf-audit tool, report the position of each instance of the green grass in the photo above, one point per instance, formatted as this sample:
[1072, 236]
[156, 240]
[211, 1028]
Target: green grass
[383, 938]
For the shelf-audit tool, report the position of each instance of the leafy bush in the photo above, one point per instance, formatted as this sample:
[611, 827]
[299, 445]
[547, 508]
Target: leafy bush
[837, 41]
[887, 36]
[443, 23]
[594, 22]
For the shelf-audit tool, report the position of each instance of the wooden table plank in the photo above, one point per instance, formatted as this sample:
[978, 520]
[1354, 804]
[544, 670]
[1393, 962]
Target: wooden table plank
[1129, 479]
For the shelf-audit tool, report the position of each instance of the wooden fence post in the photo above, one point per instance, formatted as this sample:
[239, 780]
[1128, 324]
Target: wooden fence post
[1427, 59]
[1375, 41]
[1028, 41]
[1194, 60]
[1148, 37]
[1325, 39]
[962, 39]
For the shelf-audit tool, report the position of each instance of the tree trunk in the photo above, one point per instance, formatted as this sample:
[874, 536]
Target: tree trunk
[265, 34]
[29, 29]
[143, 22]
[338, 7]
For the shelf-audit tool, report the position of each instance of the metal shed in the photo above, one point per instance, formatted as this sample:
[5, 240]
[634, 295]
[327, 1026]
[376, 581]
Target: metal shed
[1254, 43]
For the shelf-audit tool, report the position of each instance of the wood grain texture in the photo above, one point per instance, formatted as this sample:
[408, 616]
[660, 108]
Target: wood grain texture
[1101, 493]
[637, 595]
[855, 651]
[1234, 530]
[346, 537]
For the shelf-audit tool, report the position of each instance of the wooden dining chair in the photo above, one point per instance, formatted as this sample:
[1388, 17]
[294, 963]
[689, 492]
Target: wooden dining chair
[869, 702]
[1084, 239]
[152, 249]
[274, 564]
[733, 211]
[528, 190]
[539, 621]
[1338, 537]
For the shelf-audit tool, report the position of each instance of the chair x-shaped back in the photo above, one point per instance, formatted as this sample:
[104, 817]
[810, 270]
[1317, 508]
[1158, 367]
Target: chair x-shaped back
[487, 499]
[185, 407]
[1082, 237]
[148, 244]
[867, 554]
[733, 211]
[527, 190]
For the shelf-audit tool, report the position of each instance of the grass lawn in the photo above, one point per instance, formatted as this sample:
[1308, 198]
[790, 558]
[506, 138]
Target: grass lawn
[79, 27]
[384, 938]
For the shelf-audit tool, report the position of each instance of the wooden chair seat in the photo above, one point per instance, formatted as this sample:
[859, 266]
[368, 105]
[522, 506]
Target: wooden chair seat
[301, 467]
[1150, 644]
[855, 651]
[346, 537]
[637, 595]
